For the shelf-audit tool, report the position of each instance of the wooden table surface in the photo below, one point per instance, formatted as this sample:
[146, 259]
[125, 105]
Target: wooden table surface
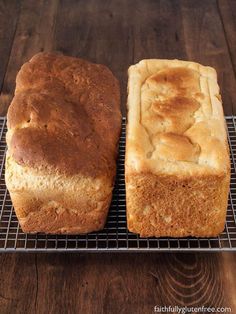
[117, 33]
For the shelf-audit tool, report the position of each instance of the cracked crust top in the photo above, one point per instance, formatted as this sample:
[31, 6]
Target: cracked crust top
[175, 119]
[65, 116]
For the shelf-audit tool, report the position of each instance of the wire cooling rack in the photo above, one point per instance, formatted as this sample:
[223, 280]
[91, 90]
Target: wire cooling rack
[115, 236]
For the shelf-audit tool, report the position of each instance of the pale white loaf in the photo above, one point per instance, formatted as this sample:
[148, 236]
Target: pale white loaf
[177, 165]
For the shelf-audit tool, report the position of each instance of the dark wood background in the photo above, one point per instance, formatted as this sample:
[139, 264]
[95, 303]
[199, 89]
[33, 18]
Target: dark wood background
[117, 33]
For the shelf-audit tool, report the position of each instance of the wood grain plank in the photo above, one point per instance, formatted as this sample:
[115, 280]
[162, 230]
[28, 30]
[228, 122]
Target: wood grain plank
[206, 43]
[34, 33]
[228, 266]
[17, 284]
[117, 283]
[227, 10]
[157, 30]
[9, 12]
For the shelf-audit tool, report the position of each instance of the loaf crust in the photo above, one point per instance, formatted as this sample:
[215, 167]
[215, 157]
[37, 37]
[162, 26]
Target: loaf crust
[177, 166]
[63, 130]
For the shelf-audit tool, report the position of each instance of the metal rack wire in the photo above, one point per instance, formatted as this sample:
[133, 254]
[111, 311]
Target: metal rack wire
[115, 236]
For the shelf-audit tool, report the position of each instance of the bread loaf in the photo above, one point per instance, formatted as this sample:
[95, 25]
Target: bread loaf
[177, 167]
[63, 130]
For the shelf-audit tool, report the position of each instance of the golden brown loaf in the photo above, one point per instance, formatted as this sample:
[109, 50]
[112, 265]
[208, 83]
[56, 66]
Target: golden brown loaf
[177, 159]
[63, 129]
